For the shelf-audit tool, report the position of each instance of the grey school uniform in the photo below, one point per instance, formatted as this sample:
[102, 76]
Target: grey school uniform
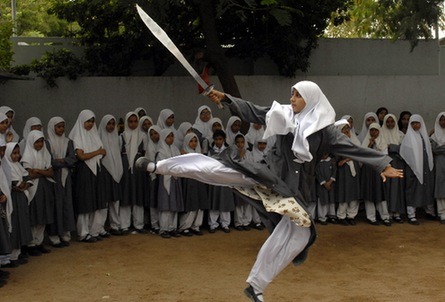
[221, 198]
[439, 166]
[325, 170]
[63, 195]
[347, 186]
[41, 207]
[395, 187]
[85, 190]
[20, 222]
[417, 194]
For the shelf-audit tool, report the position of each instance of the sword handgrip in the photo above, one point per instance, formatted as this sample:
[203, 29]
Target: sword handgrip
[208, 90]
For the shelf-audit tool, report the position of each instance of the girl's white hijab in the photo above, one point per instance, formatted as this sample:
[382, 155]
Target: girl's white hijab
[152, 147]
[17, 170]
[316, 115]
[166, 151]
[139, 109]
[185, 146]
[364, 129]
[204, 127]
[6, 109]
[133, 139]
[439, 132]
[391, 136]
[3, 117]
[88, 141]
[379, 143]
[230, 135]
[36, 159]
[340, 124]
[353, 137]
[5, 186]
[411, 148]
[32, 121]
[257, 154]
[113, 161]
[59, 144]
[144, 134]
[181, 133]
[163, 116]
[254, 134]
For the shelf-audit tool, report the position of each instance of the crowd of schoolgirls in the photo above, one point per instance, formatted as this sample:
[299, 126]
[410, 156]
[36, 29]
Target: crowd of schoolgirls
[84, 182]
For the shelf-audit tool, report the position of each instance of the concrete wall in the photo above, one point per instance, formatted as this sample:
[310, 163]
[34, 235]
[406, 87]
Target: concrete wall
[355, 95]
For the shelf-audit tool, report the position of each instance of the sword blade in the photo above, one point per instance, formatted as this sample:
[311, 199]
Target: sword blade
[162, 36]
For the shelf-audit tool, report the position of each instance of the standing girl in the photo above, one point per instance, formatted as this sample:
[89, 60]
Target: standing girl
[369, 118]
[37, 161]
[416, 151]
[63, 160]
[133, 182]
[195, 194]
[170, 197]
[111, 171]
[438, 148]
[89, 151]
[232, 129]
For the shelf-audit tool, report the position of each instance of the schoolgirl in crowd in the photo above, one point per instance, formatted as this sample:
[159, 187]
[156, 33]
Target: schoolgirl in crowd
[368, 119]
[151, 153]
[438, 149]
[33, 123]
[10, 113]
[232, 129]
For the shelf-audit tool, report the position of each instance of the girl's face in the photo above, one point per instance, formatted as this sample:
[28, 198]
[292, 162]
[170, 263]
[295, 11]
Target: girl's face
[442, 122]
[132, 122]
[297, 102]
[216, 126]
[15, 155]
[382, 114]
[346, 130]
[89, 124]
[59, 128]
[169, 139]
[154, 136]
[142, 113]
[257, 126]
[239, 142]
[405, 120]
[219, 141]
[262, 146]
[10, 116]
[193, 143]
[390, 123]
[236, 126]
[146, 125]
[374, 132]
[370, 120]
[2, 151]
[351, 122]
[111, 125]
[4, 126]
[170, 120]
[38, 144]
[416, 126]
[36, 127]
[205, 115]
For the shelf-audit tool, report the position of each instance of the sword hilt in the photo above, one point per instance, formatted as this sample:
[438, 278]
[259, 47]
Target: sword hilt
[208, 90]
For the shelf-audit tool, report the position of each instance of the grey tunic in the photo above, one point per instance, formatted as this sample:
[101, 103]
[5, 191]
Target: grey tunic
[288, 177]
[221, 198]
[347, 187]
[439, 166]
[63, 206]
[395, 187]
[21, 228]
[325, 170]
[417, 194]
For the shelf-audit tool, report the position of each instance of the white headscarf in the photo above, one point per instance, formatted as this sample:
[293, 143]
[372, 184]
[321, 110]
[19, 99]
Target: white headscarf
[353, 137]
[133, 139]
[59, 144]
[257, 154]
[364, 129]
[163, 116]
[188, 137]
[181, 133]
[439, 132]
[17, 170]
[316, 115]
[3, 117]
[379, 143]
[340, 124]
[152, 147]
[5, 187]
[32, 121]
[113, 160]
[254, 134]
[166, 151]
[230, 139]
[139, 109]
[204, 127]
[143, 132]
[411, 148]
[88, 141]
[5, 110]
[36, 159]
[392, 136]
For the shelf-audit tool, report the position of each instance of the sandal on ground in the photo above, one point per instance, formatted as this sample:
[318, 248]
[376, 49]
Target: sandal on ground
[250, 293]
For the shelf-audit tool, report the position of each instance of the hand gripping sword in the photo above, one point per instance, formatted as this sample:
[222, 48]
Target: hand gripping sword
[160, 34]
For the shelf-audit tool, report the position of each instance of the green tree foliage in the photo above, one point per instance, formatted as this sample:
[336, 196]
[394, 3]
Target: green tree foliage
[5, 45]
[393, 19]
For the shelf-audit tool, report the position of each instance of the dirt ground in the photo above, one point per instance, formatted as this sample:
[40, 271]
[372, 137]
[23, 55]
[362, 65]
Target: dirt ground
[347, 263]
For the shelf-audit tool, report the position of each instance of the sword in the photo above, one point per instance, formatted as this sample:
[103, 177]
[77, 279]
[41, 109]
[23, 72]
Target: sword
[161, 35]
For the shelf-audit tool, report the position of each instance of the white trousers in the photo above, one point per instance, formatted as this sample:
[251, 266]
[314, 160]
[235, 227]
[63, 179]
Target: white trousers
[99, 218]
[56, 239]
[224, 219]
[382, 208]
[91, 223]
[324, 210]
[441, 208]
[135, 213]
[191, 220]
[113, 215]
[154, 218]
[242, 215]
[38, 234]
[168, 221]
[347, 209]
[283, 245]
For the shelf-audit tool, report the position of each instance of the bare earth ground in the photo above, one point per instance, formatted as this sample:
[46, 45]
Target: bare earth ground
[361, 263]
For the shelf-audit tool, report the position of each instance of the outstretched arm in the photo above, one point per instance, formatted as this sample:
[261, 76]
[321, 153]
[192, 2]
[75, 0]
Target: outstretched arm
[391, 173]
